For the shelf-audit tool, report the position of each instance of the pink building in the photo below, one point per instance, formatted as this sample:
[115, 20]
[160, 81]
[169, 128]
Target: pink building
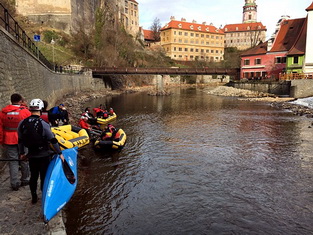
[268, 60]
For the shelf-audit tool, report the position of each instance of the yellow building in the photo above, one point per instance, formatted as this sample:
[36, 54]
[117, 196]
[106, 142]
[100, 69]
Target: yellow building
[186, 41]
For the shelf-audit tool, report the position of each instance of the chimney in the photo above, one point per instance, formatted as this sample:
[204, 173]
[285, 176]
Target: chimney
[183, 20]
[172, 18]
[194, 21]
[204, 23]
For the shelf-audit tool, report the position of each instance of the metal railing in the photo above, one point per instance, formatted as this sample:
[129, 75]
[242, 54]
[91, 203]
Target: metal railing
[162, 71]
[294, 76]
[13, 28]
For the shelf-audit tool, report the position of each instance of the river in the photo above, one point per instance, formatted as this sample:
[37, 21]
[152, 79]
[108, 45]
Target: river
[197, 164]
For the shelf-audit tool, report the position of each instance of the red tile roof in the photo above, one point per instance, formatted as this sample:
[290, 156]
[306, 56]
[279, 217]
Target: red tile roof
[148, 35]
[299, 47]
[257, 50]
[243, 27]
[174, 24]
[310, 8]
[287, 35]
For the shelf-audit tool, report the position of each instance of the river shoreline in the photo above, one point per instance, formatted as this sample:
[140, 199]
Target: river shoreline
[19, 216]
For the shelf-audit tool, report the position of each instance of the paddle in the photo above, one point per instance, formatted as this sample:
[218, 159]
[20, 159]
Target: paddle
[11, 160]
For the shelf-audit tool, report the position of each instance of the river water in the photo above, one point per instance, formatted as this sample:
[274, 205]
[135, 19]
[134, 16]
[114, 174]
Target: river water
[198, 164]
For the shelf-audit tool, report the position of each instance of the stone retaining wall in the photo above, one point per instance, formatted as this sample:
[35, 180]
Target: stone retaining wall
[21, 72]
[277, 88]
[301, 88]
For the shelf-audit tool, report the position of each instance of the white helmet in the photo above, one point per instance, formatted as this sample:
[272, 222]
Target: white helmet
[36, 104]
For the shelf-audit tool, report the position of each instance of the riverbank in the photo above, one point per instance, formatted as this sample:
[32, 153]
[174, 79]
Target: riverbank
[254, 96]
[19, 216]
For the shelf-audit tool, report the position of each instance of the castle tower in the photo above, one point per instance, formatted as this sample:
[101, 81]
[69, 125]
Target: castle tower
[249, 12]
[308, 63]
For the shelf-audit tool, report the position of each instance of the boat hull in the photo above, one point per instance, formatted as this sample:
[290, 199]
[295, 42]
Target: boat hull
[116, 144]
[60, 183]
[103, 122]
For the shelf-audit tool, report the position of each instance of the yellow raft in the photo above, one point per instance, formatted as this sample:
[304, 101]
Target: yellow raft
[70, 136]
[115, 143]
[106, 121]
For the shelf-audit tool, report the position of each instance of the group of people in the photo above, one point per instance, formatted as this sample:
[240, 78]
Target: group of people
[29, 143]
[25, 134]
[88, 121]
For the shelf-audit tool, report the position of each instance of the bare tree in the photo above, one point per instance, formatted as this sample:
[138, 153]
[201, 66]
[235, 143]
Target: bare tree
[156, 29]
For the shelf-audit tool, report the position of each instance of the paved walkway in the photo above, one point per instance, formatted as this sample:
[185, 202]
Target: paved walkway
[19, 216]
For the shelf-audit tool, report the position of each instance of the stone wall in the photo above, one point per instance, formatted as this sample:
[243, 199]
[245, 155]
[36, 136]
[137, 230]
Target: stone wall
[21, 72]
[301, 88]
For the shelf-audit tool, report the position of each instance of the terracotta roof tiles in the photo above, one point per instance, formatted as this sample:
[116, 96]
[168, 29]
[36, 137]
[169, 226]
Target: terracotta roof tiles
[243, 27]
[174, 24]
[148, 35]
[257, 50]
[287, 35]
[299, 47]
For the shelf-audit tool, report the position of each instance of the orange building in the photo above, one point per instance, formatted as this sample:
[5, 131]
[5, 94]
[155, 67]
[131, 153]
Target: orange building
[186, 41]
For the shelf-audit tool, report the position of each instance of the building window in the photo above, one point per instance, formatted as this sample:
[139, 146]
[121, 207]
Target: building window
[280, 60]
[180, 49]
[296, 60]
[257, 61]
[191, 34]
[246, 62]
[186, 34]
[186, 49]
[191, 49]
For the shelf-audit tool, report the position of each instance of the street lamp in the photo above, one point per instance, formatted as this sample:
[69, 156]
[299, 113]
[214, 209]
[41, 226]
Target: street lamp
[52, 42]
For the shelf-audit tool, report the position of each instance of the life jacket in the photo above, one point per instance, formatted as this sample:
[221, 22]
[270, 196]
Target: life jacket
[117, 136]
[10, 117]
[111, 111]
[83, 124]
[95, 111]
[32, 134]
[44, 116]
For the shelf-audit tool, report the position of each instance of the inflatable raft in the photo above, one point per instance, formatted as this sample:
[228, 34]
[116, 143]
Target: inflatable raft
[70, 136]
[105, 121]
[117, 142]
[60, 183]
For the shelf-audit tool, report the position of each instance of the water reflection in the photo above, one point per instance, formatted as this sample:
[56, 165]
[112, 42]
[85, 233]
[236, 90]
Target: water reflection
[197, 164]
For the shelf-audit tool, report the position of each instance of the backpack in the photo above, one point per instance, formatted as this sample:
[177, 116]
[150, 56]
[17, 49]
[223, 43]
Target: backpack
[32, 134]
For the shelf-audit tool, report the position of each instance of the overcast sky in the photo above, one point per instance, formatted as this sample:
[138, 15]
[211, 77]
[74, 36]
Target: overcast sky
[219, 12]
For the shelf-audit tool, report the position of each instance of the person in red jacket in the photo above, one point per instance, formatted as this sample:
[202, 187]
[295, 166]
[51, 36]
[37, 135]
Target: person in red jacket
[10, 117]
[83, 123]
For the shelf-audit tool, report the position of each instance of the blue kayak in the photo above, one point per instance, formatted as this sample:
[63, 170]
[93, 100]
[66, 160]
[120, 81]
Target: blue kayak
[60, 183]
